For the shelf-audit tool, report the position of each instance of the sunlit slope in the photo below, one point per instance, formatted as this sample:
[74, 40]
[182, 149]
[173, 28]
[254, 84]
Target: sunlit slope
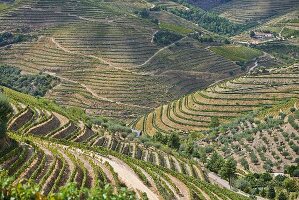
[250, 11]
[223, 101]
[53, 148]
[105, 56]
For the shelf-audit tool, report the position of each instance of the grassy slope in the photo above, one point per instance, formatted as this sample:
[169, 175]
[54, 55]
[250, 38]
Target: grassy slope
[237, 53]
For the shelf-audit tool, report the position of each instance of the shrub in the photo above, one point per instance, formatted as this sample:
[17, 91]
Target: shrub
[282, 196]
[243, 185]
[271, 192]
[166, 37]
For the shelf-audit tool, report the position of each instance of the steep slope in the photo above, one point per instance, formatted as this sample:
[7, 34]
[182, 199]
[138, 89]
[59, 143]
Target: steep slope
[207, 4]
[53, 150]
[223, 101]
[265, 144]
[105, 56]
[250, 11]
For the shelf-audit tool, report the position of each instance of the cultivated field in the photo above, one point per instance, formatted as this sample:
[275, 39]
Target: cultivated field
[224, 101]
[249, 11]
[52, 150]
[106, 58]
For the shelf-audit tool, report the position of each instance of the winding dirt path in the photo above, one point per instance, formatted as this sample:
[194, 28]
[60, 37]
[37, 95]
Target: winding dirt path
[185, 193]
[128, 176]
[162, 49]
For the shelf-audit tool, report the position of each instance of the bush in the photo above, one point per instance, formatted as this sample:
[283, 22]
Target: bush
[8, 38]
[166, 37]
[243, 185]
[282, 196]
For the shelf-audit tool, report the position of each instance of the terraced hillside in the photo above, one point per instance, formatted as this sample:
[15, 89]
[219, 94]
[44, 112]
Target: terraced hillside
[283, 29]
[105, 56]
[223, 102]
[53, 147]
[249, 11]
[260, 145]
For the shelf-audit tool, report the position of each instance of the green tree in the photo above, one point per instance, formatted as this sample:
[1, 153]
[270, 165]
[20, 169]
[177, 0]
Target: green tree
[215, 162]
[5, 111]
[295, 173]
[285, 154]
[228, 170]
[243, 185]
[290, 184]
[271, 192]
[244, 163]
[201, 153]
[214, 122]
[174, 141]
[282, 196]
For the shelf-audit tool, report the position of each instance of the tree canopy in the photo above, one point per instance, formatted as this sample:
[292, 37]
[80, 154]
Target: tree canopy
[5, 110]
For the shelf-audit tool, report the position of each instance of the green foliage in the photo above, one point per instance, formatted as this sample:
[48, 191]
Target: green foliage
[174, 28]
[166, 38]
[251, 183]
[29, 191]
[271, 192]
[292, 170]
[243, 185]
[215, 162]
[290, 33]
[237, 52]
[214, 122]
[244, 163]
[285, 51]
[282, 196]
[228, 169]
[144, 13]
[36, 85]
[7, 38]
[19, 191]
[210, 21]
[109, 124]
[174, 141]
[290, 185]
[5, 111]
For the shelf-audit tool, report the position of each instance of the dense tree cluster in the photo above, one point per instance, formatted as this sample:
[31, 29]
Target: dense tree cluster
[267, 186]
[7, 38]
[110, 125]
[292, 170]
[210, 21]
[225, 167]
[285, 51]
[172, 140]
[5, 111]
[36, 85]
[166, 38]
